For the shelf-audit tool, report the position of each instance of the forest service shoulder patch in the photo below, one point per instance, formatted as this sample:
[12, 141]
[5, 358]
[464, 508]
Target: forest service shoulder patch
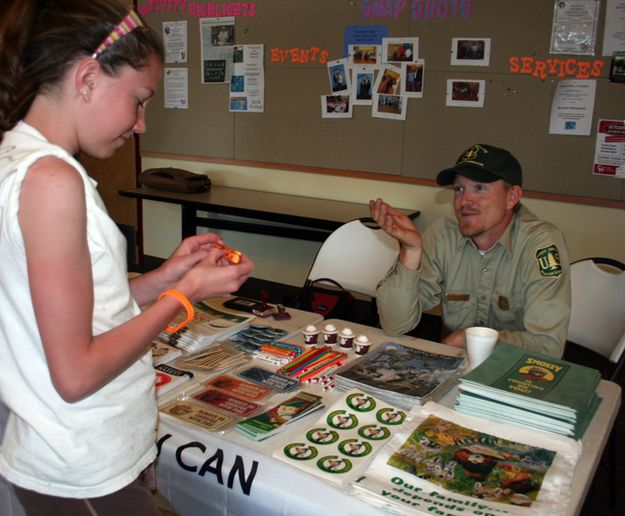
[548, 259]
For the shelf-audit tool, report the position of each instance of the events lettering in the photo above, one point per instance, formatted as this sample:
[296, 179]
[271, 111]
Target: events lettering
[299, 55]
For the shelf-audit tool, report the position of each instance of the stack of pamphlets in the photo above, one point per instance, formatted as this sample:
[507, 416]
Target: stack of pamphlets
[444, 462]
[531, 390]
[163, 353]
[210, 324]
[402, 375]
[168, 378]
[274, 420]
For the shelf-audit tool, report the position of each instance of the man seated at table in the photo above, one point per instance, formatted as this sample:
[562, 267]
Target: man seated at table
[495, 264]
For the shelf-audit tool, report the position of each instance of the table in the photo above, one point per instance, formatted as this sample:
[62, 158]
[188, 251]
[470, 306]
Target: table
[10, 505]
[210, 473]
[289, 216]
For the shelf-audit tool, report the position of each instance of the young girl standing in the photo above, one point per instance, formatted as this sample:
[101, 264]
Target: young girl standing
[74, 346]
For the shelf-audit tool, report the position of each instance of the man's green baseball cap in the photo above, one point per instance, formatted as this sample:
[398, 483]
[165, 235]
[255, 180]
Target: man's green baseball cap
[484, 164]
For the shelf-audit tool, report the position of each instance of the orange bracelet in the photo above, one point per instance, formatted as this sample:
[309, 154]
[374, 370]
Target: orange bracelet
[187, 306]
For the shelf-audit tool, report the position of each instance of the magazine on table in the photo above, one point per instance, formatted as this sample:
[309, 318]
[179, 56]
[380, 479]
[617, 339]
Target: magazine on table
[274, 420]
[469, 466]
[531, 390]
[403, 375]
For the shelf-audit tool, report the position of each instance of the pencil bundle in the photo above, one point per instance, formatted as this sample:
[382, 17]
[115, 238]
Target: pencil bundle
[314, 365]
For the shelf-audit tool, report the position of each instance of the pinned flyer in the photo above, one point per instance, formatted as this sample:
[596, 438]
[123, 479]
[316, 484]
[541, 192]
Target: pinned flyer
[610, 149]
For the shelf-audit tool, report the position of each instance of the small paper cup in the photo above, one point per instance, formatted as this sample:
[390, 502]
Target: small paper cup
[480, 342]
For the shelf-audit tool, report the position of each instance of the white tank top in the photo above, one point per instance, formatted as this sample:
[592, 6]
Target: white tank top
[100, 444]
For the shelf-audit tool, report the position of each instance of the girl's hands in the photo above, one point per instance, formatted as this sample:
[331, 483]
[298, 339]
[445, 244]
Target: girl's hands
[214, 275]
[199, 268]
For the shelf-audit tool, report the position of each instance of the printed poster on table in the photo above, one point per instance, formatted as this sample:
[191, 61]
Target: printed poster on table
[469, 466]
[610, 149]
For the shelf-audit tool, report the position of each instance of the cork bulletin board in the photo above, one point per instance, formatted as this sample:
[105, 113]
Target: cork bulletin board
[292, 133]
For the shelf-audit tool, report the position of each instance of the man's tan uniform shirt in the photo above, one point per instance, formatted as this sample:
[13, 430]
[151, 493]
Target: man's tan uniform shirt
[521, 286]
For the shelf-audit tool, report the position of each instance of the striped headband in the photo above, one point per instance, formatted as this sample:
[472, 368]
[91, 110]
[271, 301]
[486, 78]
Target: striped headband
[124, 27]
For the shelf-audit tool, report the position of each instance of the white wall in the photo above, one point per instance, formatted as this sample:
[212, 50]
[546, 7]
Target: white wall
[589, 230]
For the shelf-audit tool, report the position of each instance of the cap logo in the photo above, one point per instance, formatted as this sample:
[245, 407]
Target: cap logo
[471, 154]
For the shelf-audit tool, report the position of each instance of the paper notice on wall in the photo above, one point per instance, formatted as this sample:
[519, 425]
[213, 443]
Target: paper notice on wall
[610, 149]
[574, 27]
[614, 31]
[176, 88]
[175, 41]
[572, 107]
[247, 84]
[217, 36]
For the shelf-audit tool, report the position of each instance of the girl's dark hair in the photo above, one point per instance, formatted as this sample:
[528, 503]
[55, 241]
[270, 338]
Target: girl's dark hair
[40, 40]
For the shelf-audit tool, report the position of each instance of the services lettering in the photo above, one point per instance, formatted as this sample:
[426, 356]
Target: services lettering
[558, 67]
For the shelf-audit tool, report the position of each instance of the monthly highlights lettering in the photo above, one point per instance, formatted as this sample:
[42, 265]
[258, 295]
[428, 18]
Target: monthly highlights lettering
[420, 9]
[198, 9]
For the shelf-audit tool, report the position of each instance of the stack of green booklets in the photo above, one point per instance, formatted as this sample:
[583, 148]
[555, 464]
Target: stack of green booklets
[527, 389]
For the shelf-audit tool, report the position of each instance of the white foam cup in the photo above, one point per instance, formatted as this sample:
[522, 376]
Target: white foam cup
[480, 342]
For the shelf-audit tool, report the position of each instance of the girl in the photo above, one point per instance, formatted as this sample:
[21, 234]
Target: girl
[74, 346]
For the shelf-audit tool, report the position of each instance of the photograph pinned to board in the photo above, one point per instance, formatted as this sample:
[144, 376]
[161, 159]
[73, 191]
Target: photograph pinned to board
[338, 74]
[388, 81]
[392, 107]
[470, 51]
[412, 79]
[365, 55]
[400, 50]
[217, 37]
[336, 106]
[465, 93]
[363, 78]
